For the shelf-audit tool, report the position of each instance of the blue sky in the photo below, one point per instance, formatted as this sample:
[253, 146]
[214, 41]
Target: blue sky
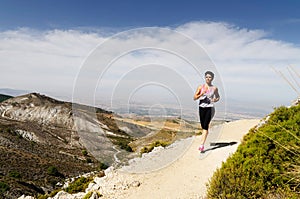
[281, 18]
[49, 41]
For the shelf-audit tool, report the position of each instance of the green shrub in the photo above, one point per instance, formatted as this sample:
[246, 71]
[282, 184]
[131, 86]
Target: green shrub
[3, 187]
[123, 144]
[84, 152]
[103, 166]
[89, 194]
[52, 194]
[42, 196]
[265, 162]
[78, 185]
[14, 174]
[148, 149]
[52, 170]
[175, 121]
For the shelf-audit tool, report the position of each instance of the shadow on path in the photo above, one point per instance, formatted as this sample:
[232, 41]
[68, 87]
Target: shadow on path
[216, 145]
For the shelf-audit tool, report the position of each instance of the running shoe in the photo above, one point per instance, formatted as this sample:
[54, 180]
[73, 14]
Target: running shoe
[201, 148]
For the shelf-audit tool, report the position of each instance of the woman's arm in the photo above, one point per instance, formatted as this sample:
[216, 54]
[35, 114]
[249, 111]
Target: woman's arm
[198, 93]
[217, 95]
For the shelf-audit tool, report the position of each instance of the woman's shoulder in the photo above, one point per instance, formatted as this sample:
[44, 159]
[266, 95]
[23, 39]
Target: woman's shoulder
[214, 88]
[201, 86]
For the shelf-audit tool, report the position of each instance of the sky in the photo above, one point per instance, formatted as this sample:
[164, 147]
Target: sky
[152, 51]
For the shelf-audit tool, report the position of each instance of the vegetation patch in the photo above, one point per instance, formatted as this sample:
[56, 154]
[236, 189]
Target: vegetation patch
[14, 174]
[266, 164]
[148, 149]
[52, 194]
[79, 185]
[103, 166]
[3, 187]
[89, 195]
[84, 152]
[52, 170]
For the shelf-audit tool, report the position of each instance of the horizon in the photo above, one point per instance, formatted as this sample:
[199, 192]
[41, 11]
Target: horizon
[252, 47]
[232, 111]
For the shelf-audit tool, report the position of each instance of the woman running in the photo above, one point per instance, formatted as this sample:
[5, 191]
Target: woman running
[207, 94]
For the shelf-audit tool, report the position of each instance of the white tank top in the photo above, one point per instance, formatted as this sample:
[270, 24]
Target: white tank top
[205, 99]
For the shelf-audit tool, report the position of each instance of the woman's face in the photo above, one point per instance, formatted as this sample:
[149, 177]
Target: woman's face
[208, 79]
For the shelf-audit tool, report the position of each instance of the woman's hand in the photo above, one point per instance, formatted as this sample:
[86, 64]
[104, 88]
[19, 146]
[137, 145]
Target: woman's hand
[217, 95]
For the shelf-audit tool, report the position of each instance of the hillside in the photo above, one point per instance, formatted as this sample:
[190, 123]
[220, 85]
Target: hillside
[266, 164]
[44, 140]
[40, 144]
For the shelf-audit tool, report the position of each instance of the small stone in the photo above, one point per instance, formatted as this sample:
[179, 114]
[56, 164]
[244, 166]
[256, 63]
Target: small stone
[99, 181]
[29, 197]
[135, 184]
[92, 187]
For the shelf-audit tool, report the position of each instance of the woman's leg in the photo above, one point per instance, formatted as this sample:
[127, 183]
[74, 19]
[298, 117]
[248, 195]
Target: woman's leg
[203, 136]
[206, 114]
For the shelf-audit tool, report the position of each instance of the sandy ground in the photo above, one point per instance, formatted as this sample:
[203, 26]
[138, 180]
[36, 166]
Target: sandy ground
[179, 171]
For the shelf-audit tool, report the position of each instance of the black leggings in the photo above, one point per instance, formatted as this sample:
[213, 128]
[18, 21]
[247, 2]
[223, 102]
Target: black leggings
[206, 114]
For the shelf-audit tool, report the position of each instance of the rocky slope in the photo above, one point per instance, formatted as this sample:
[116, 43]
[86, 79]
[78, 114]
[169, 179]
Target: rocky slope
[43, 141]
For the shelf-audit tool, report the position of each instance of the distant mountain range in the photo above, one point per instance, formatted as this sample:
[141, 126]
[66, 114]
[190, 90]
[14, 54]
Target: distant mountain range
[13, 92]
[234, 109]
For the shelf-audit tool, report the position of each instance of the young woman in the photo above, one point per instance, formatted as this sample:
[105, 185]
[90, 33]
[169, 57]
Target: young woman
[207, 94]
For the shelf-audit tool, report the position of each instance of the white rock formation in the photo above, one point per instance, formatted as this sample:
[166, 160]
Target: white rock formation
[26, 197]
[27, 135]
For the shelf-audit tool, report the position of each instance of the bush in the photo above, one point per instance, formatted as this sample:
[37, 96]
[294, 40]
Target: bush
[3, 187]
[103, 166]
[123, 143]
[52, 194]
[84, 152]
[89, 160]
[126, 147]
[79, 185]
[52, 170]
[265, 162]
[148, 149]
[89, 194]
[14, 174]
[42, 196]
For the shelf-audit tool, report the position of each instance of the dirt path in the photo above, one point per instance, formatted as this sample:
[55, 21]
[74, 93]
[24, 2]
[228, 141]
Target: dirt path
[185, 176]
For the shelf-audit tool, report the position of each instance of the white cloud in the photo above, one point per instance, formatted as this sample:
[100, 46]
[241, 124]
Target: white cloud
[244, 58]
[43, 61]
[48, 61]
